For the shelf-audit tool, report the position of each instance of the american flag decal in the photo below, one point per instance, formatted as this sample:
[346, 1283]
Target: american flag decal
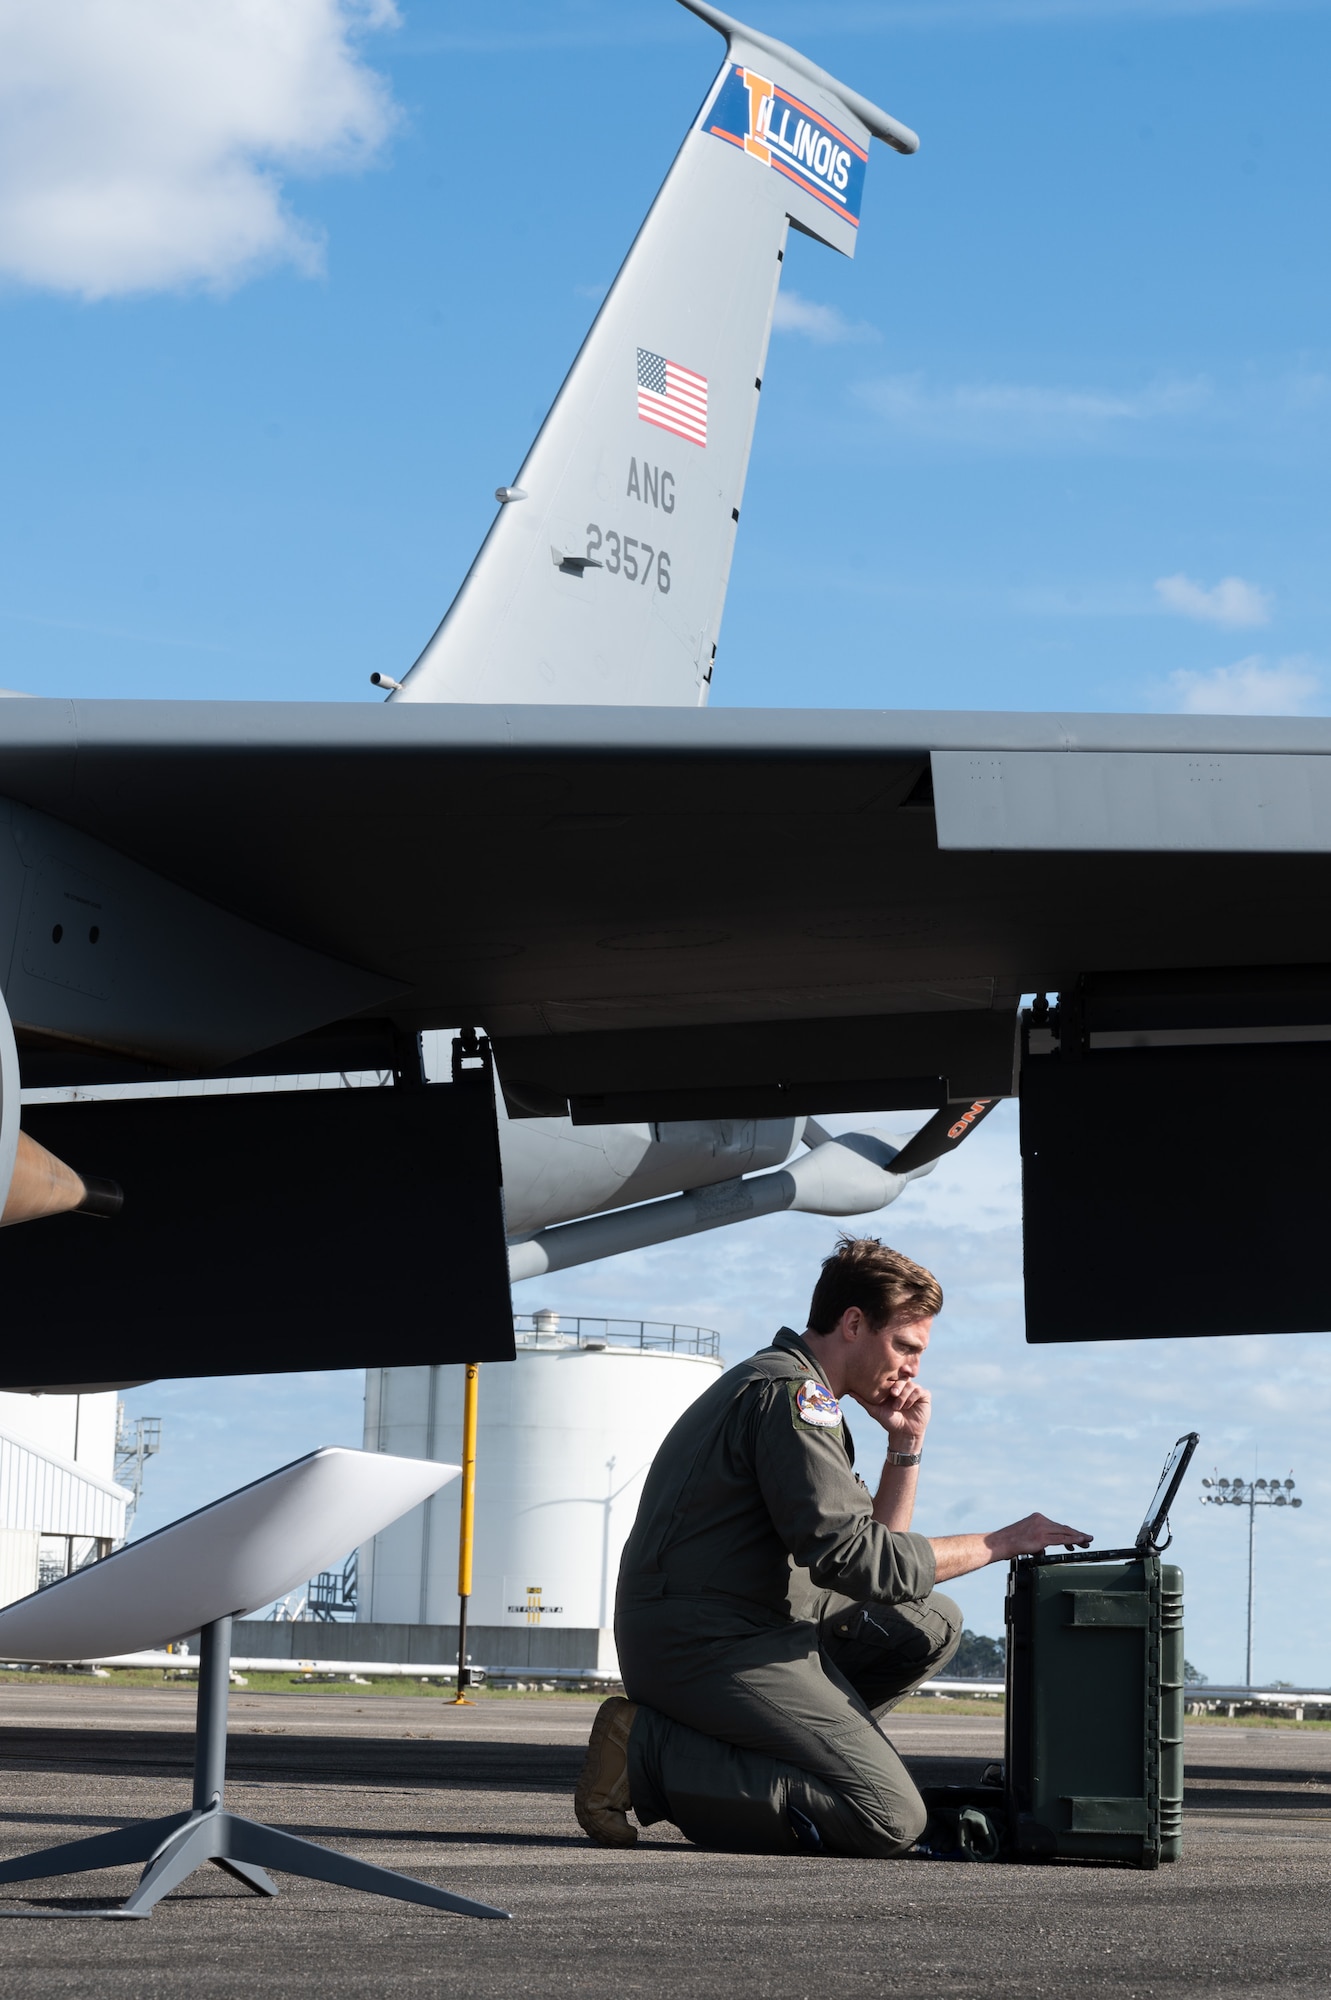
[672, 397]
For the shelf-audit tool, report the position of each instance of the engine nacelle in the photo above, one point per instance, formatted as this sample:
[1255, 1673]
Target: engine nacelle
[850, 1174]
[33, 1182]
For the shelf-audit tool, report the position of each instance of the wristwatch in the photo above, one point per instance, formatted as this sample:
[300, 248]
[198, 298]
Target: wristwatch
[904, 1457]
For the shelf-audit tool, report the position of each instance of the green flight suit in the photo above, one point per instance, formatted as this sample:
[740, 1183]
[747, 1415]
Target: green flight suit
[764, 1619]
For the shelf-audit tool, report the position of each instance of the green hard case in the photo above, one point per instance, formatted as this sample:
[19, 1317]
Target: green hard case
[1094, 1767]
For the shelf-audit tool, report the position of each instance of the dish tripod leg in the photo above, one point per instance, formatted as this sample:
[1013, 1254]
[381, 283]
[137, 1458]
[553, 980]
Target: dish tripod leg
[175, 1846]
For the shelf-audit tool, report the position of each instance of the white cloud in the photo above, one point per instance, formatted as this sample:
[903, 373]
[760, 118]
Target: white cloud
[1017, 415]
[1279, 414]
[824, 324]
[143, 143]
[1252, 686]
[1232, 601]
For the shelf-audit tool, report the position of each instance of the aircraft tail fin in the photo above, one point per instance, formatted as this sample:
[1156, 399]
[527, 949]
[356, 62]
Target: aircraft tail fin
[604, 574]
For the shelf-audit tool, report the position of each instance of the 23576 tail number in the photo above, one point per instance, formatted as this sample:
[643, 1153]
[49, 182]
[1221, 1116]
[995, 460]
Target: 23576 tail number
[636, 561]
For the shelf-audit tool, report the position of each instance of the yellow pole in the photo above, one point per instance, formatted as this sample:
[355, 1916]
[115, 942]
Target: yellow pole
[466, 1525]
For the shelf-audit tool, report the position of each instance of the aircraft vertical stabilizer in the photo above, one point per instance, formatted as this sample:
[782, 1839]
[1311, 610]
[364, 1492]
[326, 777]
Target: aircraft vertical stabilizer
[604, 575]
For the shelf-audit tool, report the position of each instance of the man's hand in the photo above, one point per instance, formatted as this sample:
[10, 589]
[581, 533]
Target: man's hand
[1033, 1536]
[904, 1414]
[958, 1555]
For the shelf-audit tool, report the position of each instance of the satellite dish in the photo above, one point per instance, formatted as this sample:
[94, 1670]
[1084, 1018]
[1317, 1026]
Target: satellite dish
[228, 1558]
[251, 1546]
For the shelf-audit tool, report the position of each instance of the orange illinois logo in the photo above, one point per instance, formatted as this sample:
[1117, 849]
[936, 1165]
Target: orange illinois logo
[760, 93]
[772, 126]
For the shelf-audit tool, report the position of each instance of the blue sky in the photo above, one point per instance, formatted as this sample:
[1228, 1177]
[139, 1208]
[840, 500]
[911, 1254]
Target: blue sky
[1078, 1431]
[276, 322]
[1082, 352]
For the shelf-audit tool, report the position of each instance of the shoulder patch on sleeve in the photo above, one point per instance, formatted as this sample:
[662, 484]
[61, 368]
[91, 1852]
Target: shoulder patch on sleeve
[813, 1405]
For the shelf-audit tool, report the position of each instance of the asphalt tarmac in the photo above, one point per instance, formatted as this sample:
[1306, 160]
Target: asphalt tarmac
[478, 1800]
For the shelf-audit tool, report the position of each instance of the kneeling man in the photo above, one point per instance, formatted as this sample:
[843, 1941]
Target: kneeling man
[771, 1610]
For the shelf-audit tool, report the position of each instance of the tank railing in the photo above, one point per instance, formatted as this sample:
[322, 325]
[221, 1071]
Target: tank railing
[553, 1330]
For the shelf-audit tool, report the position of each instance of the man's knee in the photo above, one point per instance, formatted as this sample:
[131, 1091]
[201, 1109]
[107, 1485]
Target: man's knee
[920, 1636]
[913, 1822]
[947, 1619]
[897, 1819]
[876, 1822]
[909, 1817]
[885, 1650]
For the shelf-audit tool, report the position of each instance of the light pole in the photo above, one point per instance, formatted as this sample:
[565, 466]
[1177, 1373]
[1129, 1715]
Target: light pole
[1252, 1494]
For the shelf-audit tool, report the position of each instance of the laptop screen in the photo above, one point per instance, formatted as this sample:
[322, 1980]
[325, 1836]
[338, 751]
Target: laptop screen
[1153, 1527]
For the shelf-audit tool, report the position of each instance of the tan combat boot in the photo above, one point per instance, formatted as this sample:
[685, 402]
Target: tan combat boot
[601, 1801]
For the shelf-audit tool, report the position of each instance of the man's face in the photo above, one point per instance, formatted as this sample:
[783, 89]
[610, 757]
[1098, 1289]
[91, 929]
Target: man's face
[875, 1358]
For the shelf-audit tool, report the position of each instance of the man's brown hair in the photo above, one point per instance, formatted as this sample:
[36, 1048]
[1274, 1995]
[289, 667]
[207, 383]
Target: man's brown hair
[863, 1272]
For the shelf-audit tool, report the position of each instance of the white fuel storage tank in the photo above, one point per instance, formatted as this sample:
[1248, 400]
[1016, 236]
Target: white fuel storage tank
[565, 1435]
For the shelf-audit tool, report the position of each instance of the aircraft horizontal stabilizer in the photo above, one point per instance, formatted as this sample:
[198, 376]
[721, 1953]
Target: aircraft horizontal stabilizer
[879, 124]
[604, 575]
